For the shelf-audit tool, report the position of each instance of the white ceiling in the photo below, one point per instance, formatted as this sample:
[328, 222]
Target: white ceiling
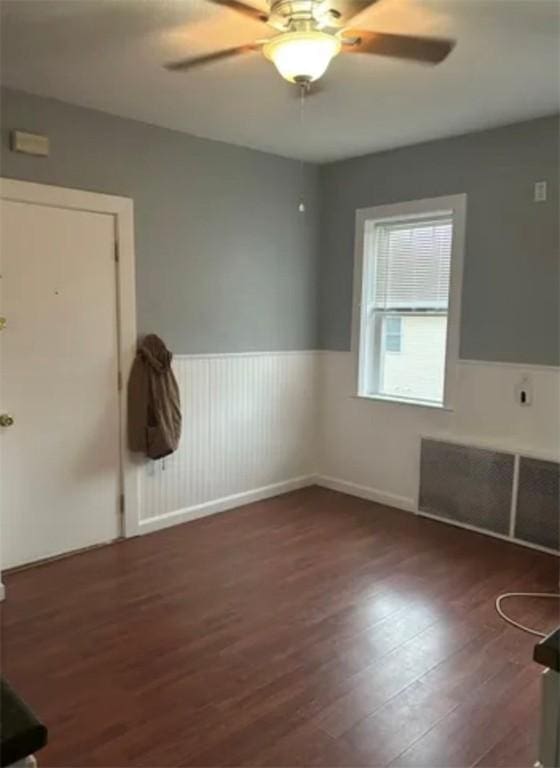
[108, 54]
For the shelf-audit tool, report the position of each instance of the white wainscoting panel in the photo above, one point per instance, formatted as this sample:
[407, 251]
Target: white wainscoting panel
[372, 449]
[249, 428]
[257, 425]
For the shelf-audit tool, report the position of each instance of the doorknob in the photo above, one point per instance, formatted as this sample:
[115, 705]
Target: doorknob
[6, 420]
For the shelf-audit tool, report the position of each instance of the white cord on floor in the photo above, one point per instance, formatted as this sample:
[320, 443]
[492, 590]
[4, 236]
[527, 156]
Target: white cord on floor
[523, 594]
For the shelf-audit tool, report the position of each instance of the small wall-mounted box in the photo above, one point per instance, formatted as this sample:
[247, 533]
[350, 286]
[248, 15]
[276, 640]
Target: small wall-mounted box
[29, 143]
[540, 192]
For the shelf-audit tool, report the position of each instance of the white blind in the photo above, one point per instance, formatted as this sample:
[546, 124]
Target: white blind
[412, 265]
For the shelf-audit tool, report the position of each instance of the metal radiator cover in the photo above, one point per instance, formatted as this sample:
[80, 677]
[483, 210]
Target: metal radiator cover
[538, 503]
[468, 485]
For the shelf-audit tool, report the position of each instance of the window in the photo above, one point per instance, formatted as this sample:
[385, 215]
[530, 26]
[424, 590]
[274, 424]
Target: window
[393, 334]
[409, 258]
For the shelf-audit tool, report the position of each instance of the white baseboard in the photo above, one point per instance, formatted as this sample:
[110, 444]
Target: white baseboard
[408, 505]
[222, 505]
[502, 536]
[365, 492]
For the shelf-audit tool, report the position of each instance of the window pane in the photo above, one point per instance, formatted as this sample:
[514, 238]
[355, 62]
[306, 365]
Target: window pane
[393, 325]
[392, 343]
[412, 264]
[418, 372]
[392, 332]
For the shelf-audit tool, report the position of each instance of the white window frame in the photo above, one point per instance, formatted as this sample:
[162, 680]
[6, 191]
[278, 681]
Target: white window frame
[366, 220]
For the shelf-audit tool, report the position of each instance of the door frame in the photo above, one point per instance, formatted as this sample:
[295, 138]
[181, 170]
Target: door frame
[122, 210]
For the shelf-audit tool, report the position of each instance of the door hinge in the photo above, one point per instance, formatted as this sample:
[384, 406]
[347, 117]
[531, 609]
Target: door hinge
[119, 381]
[116, 251]
[121, 503]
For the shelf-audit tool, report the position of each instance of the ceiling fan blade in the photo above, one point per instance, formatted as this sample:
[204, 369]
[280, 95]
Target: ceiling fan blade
[343, 11]
[246, 10]
[228, 53]
[428, 50]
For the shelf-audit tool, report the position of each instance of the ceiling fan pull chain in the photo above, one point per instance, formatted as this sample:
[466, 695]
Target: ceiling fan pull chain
[302, 93]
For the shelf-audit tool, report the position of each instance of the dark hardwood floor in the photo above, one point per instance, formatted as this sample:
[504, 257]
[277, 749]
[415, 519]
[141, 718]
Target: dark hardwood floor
[313, 629]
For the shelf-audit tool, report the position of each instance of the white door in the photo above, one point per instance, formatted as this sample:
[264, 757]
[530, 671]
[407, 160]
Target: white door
[60, 473]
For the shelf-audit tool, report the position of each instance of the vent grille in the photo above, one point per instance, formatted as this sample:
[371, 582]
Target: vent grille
[538, 505]
[475, 486]
[467, 485]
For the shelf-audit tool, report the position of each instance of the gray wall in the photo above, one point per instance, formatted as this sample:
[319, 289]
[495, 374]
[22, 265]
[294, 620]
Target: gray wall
[511, 290]
[225, 262]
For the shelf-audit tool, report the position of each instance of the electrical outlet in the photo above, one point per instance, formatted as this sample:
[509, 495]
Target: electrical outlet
[524, 392]
[540, 191]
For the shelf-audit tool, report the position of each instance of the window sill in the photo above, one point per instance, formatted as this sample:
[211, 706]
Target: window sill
[404, 401]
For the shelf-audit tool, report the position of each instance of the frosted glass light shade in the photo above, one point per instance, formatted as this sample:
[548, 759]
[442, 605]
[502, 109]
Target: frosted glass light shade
[302, 56]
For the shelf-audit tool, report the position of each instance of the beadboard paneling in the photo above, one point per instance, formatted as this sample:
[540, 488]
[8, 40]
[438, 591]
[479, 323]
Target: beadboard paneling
[248, 423]
[374, 447]
[259, 424]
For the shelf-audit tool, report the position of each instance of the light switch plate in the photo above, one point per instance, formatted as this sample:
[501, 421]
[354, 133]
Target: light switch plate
[540, 191]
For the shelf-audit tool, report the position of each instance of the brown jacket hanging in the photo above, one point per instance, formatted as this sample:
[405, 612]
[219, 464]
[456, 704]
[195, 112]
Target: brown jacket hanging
[154, 408]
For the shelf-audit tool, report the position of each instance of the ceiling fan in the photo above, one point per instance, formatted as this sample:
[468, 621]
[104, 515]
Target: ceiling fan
[312, 32]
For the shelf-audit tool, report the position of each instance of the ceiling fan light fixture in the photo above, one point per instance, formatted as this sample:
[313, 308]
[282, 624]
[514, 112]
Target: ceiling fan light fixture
[302, 57]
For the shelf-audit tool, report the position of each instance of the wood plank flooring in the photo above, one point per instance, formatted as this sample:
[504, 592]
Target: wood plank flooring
[313, 629]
